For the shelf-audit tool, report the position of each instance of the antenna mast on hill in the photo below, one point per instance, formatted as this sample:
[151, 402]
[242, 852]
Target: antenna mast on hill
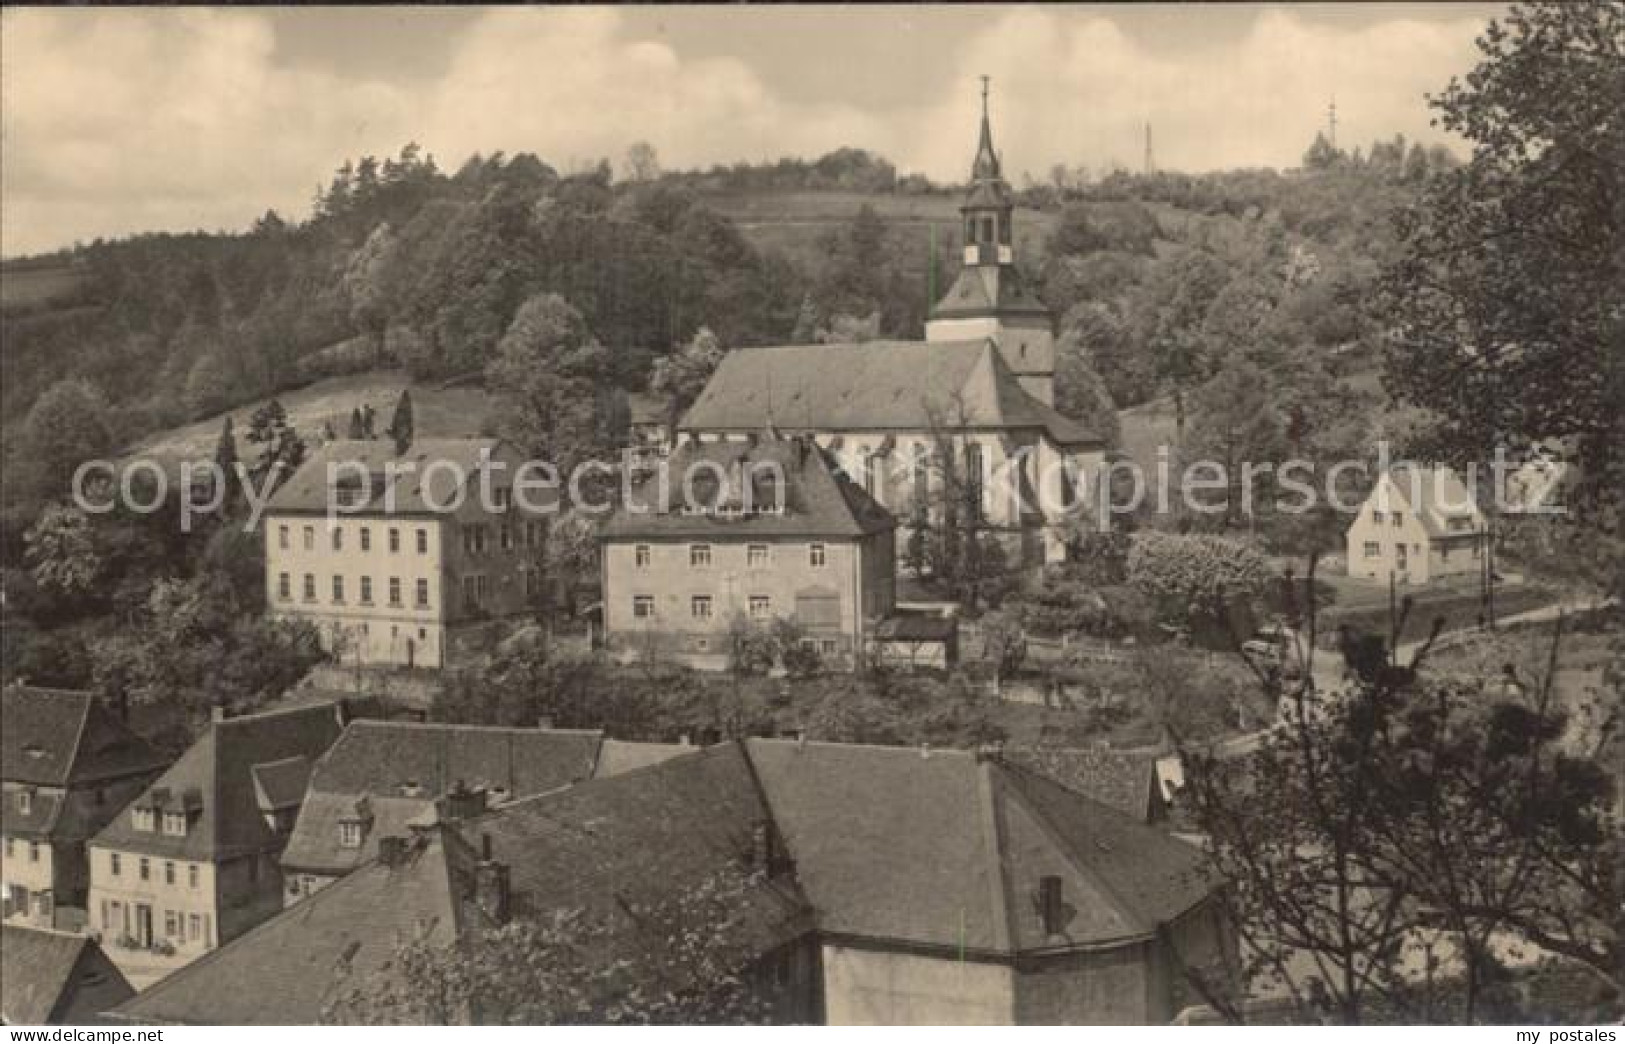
[1150, 164]
[1332, 119]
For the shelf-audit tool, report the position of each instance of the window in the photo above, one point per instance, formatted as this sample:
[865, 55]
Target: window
[643, 607]
[284, 586]
[144, 819]
[699, 555]
[474, 540]
[394, 590]
[423, 541]
[338, 538]
[310, 538]
[761, 607]
[815, 555]
[828, 647]
[310, 587]
[502, 497]
[533, 534]
[191, 876]
[756, 555]
[338, 589]
[1372, 549]
[1399, 519]
[350, 834]
[640, 556]
[366, 590]
[115, 864]
[33, 851]
[423, 594]
[1376, 516]
[700, 607]
[505, 536]
[366, 538]
[194, 927]
[169, 872]
[25, 801]
[474, 590]
[394, 540]
[144, 869]
[282, 537]
[175, 824]
[172, 924]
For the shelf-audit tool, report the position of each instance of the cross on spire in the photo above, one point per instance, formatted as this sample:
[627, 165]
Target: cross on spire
[986, 166]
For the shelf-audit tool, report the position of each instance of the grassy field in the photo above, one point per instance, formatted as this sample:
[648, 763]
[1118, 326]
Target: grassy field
[437, 411]
[30, 286]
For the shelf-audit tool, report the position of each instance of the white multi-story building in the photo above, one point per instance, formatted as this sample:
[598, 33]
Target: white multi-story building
[389, 553]
[1418, 525]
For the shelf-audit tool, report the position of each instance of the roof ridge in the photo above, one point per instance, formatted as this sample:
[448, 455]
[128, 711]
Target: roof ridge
[887, 747]
[993, 837]
[277, 712]
[471, 727]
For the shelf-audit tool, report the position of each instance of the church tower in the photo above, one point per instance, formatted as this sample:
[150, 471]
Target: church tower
[989, 298]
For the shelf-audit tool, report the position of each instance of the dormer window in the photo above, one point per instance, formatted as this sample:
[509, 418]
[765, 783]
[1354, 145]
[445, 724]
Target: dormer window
[25, 801]
[350, 833]
[144, 819]
[175, 824]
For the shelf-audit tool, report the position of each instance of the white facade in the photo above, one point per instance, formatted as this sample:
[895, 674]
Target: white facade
[1416, 532]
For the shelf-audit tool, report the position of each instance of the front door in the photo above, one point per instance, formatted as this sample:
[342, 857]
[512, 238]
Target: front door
[143, 925]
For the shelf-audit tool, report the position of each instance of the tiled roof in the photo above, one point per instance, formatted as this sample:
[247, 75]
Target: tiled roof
[1436, 494]
[41, 971]
[63, 737]
[1124, 779]
[442, 460]
[879, 386]
[400, 768]
[281, 784]
[285, 970]
[639, 839]
[989, 290]
[618, 756]
[817, 499]
[218, 772]
[949, 848]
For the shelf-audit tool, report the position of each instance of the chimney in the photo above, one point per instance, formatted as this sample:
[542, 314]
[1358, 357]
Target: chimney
[217, 712]
[460, 802]
[685, 740]
[491, 884]
[1051, 912]
[925, 751]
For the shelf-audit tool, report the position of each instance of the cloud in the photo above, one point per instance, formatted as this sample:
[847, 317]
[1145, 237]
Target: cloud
[1076, 89]
[122, 120]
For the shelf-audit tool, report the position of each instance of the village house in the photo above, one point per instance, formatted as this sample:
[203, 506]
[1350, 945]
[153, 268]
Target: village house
[381, 778]
[889, 886]
[192, 862]
[966, 413]
[395, 555]
[69, 765]
[753, 531]
[50, 978]
[1419, 524]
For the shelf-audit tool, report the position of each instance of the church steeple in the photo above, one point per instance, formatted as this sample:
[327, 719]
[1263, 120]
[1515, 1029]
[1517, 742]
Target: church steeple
[986, 165]
[989, 298]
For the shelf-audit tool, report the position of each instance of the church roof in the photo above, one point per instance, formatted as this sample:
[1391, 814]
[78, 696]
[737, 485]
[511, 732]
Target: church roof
[912, 386]
[989, 290]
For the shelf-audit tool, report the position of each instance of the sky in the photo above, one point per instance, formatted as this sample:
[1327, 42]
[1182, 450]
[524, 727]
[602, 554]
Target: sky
[122, 120]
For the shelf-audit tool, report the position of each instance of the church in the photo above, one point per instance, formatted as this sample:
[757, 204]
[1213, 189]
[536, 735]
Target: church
[980, 388]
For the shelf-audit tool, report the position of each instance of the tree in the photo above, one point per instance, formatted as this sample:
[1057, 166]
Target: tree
[1004, 642]
[358, 428]
[280, 449]
[1409, 822]
[1234, 425]
[1080, 393]
[206, 386]
[65, 557]
[642, 162]
[400, 424]
[546, 374]
[66, 426]
[682, 375]
[1505, 295]
[1196, 576]
[225, 458]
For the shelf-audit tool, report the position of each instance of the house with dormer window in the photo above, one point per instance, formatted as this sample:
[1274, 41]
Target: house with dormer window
[1419, 524]
[192, 861]
[70, 764]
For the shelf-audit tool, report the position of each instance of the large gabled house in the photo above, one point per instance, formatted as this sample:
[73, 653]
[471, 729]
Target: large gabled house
[887, 886]
[757, 531]
[192, 861]
[1418, 525]
[69, 764]
[395, 554]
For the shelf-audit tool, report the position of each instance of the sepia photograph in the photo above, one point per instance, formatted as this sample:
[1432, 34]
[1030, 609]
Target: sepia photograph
[896, 515]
